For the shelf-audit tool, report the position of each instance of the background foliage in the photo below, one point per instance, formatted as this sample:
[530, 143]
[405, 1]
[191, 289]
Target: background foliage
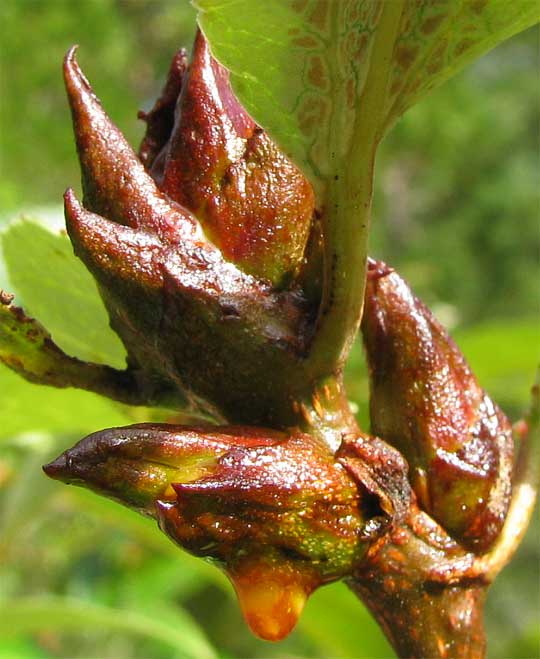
[456, 212]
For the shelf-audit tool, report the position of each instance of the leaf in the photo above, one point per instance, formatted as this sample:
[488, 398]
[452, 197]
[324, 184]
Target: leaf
[19, 648]
[31, 614]
[299, 67]
[144, 530]
[314, 74]
[341, 626]
[438, 39]
[56, 288]
[305, 68]
[27, 348]
[161, 579]
[26, 407]
[516, 345]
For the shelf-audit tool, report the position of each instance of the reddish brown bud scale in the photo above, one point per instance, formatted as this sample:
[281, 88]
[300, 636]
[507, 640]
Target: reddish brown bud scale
[275, 509]
[160, 119]
[426, 402]
[188, 318]
[138, 464]
[251, 200]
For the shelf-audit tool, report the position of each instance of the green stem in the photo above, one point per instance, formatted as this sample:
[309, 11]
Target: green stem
[325, 412]
[525, 486]
[347, 209]
[28, 349]
[317, 407]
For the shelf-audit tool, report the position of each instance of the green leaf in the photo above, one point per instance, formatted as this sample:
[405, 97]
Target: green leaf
[305, 68]
[56, 288]
[162, 579]
[20, 648]
[438, 39]
[504, 356]
[145, 531]
[341, 626]
[31, 614]
[26, 407]
[300, 67]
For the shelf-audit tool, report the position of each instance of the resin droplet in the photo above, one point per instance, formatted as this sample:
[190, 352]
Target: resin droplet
[272, 595]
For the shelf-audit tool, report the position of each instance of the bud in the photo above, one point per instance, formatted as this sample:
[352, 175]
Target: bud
[225, 340]
[207, 154]
[426, 402]
[275, 510]
[136, 465]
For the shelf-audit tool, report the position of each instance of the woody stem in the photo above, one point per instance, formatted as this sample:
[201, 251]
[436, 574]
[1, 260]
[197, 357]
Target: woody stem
[422, 612]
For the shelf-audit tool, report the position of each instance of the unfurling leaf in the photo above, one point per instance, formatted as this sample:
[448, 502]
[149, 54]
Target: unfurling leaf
[326, 79]
[275, 510]
[426, 402]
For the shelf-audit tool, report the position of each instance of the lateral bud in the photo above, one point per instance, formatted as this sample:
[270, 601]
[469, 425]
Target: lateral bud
[275, 510]
[426, 402]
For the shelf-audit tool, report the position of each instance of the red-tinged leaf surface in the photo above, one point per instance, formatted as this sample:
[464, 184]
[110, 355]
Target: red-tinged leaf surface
[160, 119]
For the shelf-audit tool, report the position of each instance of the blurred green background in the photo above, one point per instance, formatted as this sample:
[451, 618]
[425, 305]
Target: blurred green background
[456, 211]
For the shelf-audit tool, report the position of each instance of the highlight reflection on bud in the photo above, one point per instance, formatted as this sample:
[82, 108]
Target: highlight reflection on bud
[275, 510]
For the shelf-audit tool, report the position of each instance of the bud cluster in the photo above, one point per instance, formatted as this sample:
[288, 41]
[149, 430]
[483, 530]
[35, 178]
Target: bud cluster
[206, 250]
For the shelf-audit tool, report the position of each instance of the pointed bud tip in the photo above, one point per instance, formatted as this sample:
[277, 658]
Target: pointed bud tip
[377, 269]
[75, 213]
[74, 78]
[70, 57]
[77, 218]
[71, 203]
[57, 469]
